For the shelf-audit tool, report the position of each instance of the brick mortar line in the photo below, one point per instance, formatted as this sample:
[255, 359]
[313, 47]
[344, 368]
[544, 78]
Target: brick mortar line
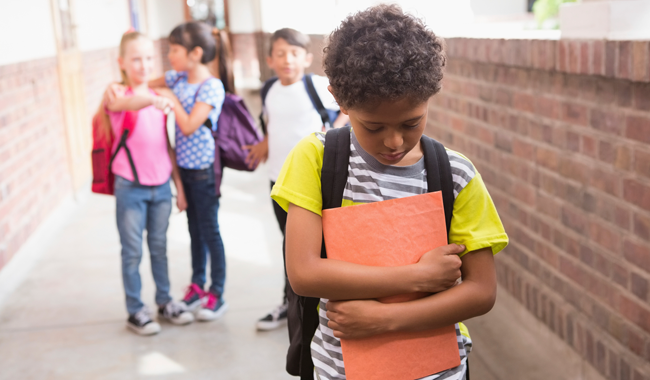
[578, 316]
[581, 158]
[588, 128]
[534, 235]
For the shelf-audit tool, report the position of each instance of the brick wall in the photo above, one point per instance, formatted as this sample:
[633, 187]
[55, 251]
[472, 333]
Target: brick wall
[34, 173]
[560, 131]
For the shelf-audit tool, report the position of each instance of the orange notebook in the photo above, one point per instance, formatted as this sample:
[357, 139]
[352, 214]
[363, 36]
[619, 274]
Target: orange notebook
[392, 233]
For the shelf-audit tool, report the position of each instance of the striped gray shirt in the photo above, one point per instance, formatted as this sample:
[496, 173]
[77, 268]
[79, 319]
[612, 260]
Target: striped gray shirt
[371, 181]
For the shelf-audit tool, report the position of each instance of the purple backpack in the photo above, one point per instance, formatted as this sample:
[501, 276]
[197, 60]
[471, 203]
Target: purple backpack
[235, 128]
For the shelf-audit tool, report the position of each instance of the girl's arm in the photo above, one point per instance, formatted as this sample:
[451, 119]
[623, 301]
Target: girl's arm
[181, 201]
[188, 123]
[312, 276]
[158, 82]
[473, 297]
[137, 102]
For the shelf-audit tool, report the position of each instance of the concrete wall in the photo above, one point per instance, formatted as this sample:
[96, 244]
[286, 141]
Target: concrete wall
[560, 131]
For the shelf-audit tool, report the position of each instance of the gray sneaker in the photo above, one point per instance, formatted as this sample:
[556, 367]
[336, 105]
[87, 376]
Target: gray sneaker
[176, 313]
[142, 324]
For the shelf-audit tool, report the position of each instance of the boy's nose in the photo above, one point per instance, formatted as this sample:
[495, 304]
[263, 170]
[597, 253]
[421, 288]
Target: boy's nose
[393, 140]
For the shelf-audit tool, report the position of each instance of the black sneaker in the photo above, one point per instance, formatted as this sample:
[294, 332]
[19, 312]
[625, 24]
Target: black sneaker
[276, 318]
[176, 313]
[141, 323]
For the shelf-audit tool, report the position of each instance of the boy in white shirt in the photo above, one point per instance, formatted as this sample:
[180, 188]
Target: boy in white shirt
[291, 115]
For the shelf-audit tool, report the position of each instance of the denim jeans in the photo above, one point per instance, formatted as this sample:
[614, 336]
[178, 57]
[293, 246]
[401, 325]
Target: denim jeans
[139, 208]
[203, 223]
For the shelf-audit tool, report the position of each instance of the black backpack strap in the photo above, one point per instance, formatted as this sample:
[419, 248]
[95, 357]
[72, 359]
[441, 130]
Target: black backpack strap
[122, 144]
[439, 176]
[315, 100]
[334, 176]
[263, 92]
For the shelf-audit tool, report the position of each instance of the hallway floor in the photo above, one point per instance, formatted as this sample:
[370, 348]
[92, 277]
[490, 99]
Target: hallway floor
[65, 318]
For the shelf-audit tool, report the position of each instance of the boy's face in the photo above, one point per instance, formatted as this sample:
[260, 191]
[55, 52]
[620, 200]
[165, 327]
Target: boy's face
[288, 61]
[391, 130]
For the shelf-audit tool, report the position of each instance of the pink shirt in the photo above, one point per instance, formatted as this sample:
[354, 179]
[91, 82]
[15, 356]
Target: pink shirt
[148, 146]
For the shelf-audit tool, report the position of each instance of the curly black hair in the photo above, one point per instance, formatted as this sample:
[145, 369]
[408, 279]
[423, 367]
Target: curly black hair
[383, 54]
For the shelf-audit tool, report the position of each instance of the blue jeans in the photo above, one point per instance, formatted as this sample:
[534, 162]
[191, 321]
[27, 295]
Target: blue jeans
[139, 208]
[203, 223]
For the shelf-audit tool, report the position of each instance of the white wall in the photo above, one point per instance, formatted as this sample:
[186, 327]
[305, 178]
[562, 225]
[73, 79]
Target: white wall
[101, 23]
[163, 16]
[498, 7]
[27, 30]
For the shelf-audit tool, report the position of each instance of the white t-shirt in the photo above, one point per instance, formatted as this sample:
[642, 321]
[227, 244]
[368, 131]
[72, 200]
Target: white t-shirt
[292, 116]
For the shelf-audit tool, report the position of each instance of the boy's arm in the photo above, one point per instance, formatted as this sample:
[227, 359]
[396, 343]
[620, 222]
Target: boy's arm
[473, 297]
[312, 276]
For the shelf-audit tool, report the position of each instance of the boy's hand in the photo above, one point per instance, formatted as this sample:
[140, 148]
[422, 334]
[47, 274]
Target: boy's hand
[257, 153]
[113, 91]
[356, 319]
[439, 268]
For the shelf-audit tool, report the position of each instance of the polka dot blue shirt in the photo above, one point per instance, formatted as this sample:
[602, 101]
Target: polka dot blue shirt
[196, 151]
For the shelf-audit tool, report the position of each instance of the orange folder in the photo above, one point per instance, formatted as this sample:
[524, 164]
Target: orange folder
[392, 233]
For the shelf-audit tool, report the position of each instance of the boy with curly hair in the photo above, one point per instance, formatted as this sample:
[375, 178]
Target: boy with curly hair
[384, 66]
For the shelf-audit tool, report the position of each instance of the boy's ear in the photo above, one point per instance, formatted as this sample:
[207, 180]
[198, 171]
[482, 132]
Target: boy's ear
[269, 61]
[344, 110]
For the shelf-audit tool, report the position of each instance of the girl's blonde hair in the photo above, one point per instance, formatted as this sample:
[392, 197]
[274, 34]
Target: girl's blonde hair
[101, 112]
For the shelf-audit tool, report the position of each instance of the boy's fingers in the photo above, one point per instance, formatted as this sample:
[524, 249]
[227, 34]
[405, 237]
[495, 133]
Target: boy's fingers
[453, 249]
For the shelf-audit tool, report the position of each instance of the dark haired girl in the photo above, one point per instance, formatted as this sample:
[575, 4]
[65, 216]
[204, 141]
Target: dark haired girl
[199, 97]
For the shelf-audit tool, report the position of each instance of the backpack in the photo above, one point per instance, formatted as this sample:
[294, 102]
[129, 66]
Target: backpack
[327, 116]
[302, 312]
[235, 128]
[102, 159]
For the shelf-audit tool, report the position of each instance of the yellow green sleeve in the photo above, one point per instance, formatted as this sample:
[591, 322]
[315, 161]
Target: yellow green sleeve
[299, 179]
[475, 222]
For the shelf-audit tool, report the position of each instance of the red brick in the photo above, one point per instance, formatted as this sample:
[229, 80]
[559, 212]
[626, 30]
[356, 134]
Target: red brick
[547, 107]
[524, 102]
[624, 59]
[607, 120]
[611, 52]
[597, 55]
[604, 235]
[574, 113]
[585, 61]
[638, 128]
[607, 152]
[523, 149]
[574, 220]
[637, 254]
[574, 57]
[640, 60]
[636, 313]
[563, 55]
[605, 181]
[637, 193]
[589, 146]
[639, 286]
[642, 226]
[623, 158]
[547, 157]
[641, 95]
